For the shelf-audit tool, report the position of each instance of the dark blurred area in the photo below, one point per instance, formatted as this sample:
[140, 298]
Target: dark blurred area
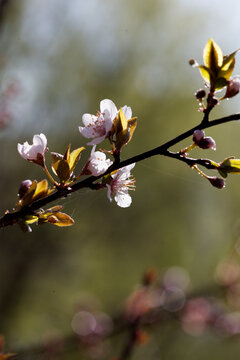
[58, 60]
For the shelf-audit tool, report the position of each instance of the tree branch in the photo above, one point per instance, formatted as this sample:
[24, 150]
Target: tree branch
[11, 218]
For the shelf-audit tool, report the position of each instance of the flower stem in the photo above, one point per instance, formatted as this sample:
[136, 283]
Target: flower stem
[49, 175]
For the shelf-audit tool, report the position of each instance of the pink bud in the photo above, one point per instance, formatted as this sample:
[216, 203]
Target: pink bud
[232, 88]
[24, 187]
[198, 135]
[207, 143]
[192, 62]
[216, 182]
[200, 94]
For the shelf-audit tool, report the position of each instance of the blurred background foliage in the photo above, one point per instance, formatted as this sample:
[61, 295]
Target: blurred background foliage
[58, 59]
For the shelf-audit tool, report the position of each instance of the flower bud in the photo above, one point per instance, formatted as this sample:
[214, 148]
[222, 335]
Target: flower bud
[192, 62]
[216, 182]
[200, 94]
[207, 143]
[36, 151]
[202, 141]
[198, 135]
[233, 88]
[24, 187]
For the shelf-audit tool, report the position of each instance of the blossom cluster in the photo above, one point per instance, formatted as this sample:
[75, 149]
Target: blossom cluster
[117, 126]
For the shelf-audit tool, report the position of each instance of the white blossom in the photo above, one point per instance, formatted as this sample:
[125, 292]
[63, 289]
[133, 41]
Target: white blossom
[36, 150]
[98, 126]
[121, 182]
[98, 162]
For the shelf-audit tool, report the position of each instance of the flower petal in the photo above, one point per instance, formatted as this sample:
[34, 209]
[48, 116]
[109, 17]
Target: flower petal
[40, 140]
[127, 112]
[124, 172]
[98, 163]
[109, 192]
[123, 200]
[87, 132]
[30, 152]
[109, 108]
[88, 119]
[97, 140]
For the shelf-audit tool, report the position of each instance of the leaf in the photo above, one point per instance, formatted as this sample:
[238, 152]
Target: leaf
[36, 191]
[63, 166]
[67, 153]
[234, 165]
[229, 166]
[30, 219]
[55, 217]
[123, 120]
[63, 171]
[42, 190]
[121, 140]
[60, 166]
[27, 198]
[132, 124]
[123, 137]
[56, 158]
[74, 158]
[226, 71]
[122, 130]
[227, 60]
[60, 219]
[120, 122]
[220, 83]
[54, 209]
[204, 71]
[212, 56]
[222, 173]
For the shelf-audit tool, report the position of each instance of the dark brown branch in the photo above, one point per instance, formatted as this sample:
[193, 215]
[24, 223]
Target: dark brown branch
[12, 218]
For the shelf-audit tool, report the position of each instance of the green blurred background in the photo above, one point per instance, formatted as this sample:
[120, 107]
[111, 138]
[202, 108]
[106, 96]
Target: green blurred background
[61, 58]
